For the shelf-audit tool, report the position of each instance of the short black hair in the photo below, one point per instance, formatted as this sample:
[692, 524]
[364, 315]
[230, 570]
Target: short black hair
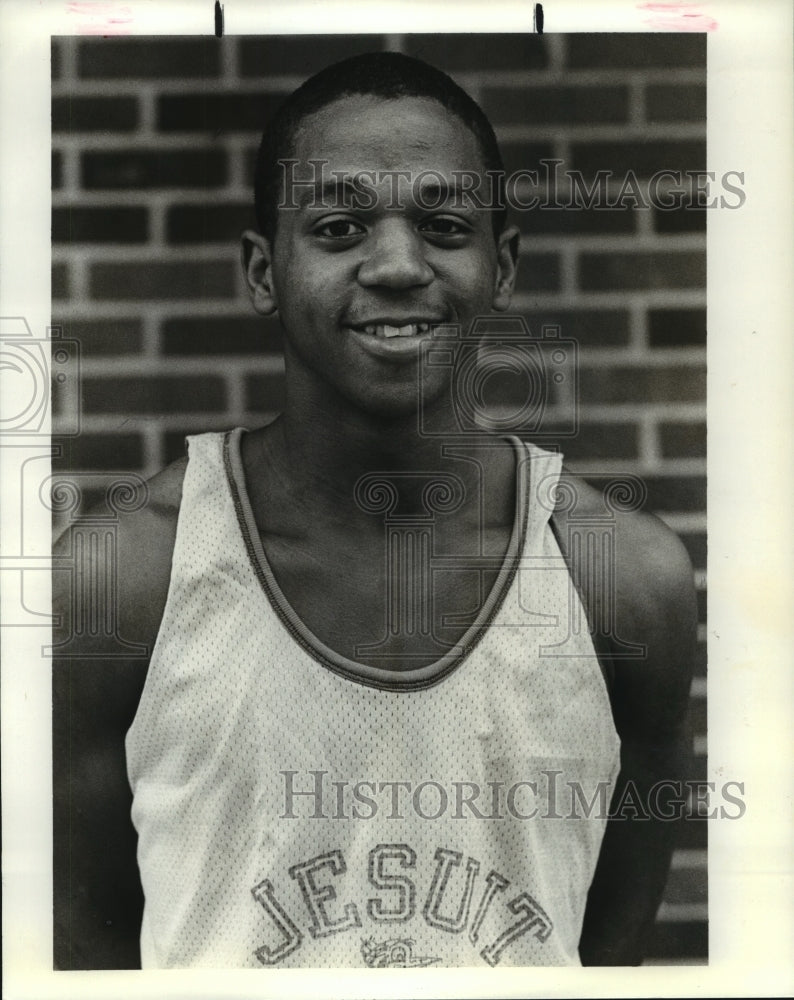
[389, 75]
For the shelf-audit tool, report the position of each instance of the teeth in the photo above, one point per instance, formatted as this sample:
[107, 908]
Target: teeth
[384, 330]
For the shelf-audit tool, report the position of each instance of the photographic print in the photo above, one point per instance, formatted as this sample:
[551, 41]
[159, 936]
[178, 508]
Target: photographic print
[599, 353]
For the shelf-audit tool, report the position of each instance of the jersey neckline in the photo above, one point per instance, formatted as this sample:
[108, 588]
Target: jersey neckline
[413, 678]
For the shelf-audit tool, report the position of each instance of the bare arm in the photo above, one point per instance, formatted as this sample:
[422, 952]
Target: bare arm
[655, 607]
[98, 901]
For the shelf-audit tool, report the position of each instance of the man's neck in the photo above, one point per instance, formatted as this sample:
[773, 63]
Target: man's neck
[336, 454]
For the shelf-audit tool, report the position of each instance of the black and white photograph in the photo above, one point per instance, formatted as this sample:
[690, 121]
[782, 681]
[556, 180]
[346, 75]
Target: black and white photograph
[372, 447]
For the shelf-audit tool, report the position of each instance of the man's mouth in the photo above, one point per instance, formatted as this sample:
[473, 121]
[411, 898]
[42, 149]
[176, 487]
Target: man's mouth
[386, 330]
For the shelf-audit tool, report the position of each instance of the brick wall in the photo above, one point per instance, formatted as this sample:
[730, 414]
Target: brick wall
[153, 144]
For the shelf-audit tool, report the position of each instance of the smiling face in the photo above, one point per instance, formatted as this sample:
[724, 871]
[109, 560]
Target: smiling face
[359, 281]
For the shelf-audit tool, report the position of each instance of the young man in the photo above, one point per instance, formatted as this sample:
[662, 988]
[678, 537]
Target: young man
[369, 733]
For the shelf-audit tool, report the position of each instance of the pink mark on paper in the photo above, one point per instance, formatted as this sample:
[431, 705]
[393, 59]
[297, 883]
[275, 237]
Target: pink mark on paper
[677, 15]
[101, 18]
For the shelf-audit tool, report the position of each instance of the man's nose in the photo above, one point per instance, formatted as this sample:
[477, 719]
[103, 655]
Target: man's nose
[396, 257]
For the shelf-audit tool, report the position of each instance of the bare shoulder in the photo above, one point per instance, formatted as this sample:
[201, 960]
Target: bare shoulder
[652, 564]
[144, 543]
[649, 597]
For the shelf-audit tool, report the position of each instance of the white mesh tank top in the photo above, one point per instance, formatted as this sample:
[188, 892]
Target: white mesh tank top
[295, 809]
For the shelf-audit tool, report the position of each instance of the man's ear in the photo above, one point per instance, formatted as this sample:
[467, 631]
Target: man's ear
[507, 266]
[257, 260]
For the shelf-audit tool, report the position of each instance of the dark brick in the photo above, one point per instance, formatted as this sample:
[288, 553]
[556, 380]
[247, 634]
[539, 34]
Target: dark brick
[300, 54]
[95, 452]
[136, 281]
[264, 393]
[671, 102]
[601, 272]
[692, 835]
[701, 659]
[538, 272]
[56, 165]
[208, 223]
[100, 225]
[536, 105]
[61, 398]
[683, 440]
[569, 221]
[94, 114]
[55, 58]
[679, 220]
[629, 384]
[677, 327]
[249, 165]
[216, 113]
[152, 58]
[60, 281]
[460, 53]
[695, 544]
[154, 394]
[596, 441]
[644, 158]
[518, 155]
[635, 51]
[174, 445]
[702, 605]
[152, 168]
[687, 885]
[105, 336]
[676, 493]
[698, 715]
[221, 335]
[595, 328]
[682, 939]
[698, 766]
[695, 767]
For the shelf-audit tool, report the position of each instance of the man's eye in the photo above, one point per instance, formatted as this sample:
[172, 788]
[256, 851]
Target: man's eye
[339, 229]
[443, 225]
